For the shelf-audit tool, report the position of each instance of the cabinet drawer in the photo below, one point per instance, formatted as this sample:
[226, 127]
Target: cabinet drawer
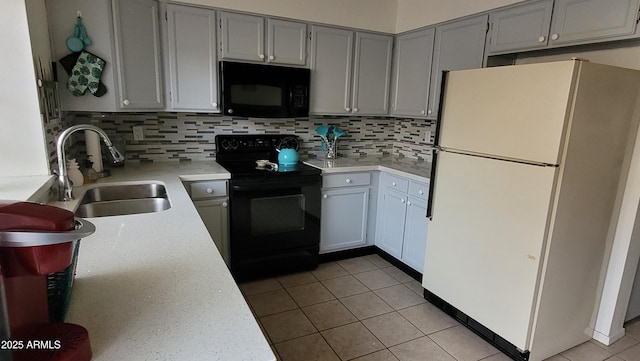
[346, 180]
[419, 190]
[208, 189]
[395, 182]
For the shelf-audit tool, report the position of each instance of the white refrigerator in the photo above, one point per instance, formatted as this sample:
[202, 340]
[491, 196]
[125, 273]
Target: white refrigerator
[524, 190]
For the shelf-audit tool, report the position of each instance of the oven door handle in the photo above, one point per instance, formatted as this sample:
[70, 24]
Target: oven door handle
[257, 185]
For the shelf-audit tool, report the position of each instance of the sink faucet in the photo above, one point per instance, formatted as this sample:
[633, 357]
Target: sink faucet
[64, 186]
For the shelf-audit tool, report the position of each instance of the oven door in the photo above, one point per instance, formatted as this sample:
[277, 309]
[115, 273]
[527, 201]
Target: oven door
[274, 222]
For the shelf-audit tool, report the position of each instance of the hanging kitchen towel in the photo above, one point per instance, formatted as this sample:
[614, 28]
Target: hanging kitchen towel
[85, 74]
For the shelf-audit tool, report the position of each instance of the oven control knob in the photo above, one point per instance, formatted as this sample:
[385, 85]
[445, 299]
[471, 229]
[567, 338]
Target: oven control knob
[348, 180]
[225, 204]
[210, 190]
[230, 111]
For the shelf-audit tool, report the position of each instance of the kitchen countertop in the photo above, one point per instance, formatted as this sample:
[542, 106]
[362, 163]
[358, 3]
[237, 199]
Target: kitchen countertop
[154, 287]
[27, 188]
[409, 168]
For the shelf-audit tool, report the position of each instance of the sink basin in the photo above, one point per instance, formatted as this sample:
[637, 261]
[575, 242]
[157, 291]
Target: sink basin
[123, 199]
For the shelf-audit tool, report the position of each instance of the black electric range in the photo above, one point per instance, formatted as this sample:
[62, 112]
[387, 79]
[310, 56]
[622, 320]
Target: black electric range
[274, 213]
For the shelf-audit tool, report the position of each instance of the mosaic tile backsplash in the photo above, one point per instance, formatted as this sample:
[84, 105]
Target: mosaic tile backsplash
[172, 136]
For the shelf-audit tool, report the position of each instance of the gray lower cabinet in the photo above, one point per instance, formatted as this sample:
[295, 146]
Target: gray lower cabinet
[458, 45]
[242, 37]
[350, 71]
[212, 202]
[191, 68]
[402, 222]
[550, 24]
[137, 47]
[412, 73]
[345, 205]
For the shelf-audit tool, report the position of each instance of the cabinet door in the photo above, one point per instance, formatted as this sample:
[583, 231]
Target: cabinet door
[391, 218]
[286, 42]
[415, 234]
[331, 70]
[344, 218]
[242, 37]
[523, 27]
[412, 73]
[458, 46]
[581, 21]
[137, 45]
[191, 58]
[371, 74]
[215, 215]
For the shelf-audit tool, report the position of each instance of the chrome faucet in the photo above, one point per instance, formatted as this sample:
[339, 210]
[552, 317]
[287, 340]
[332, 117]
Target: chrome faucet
[64, 186]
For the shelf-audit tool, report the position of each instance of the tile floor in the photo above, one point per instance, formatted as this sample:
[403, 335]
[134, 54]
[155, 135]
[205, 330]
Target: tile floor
[366, 309]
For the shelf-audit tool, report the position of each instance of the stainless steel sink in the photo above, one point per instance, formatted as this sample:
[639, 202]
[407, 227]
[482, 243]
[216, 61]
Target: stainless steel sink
[122, 199]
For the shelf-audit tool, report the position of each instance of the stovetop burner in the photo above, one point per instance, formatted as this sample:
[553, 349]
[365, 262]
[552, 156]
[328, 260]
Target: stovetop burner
[238, 154]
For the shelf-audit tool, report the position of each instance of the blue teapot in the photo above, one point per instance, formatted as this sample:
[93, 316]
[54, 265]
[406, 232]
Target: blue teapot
[287, 156]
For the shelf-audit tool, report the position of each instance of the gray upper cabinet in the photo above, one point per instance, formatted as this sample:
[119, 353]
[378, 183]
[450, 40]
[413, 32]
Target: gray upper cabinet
[412, 73]
[534, 25]
[137, 40]
[458, 45]
[243, 38]
[521, 27]
[286, 42]
[331, 70]
[350, 71]
[190, 53]
[582, 21]
[371, 74]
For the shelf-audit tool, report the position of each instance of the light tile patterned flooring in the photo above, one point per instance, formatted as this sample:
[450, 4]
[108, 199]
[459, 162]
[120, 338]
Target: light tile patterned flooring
[366, 309]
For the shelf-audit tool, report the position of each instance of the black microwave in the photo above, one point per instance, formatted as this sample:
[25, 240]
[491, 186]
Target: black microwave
[264, 91]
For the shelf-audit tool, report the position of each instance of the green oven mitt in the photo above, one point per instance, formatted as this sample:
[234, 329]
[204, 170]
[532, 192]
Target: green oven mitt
[85, 74]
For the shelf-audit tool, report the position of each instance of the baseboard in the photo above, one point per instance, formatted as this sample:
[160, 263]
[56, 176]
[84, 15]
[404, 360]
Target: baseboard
[608, 339]
[346, 254]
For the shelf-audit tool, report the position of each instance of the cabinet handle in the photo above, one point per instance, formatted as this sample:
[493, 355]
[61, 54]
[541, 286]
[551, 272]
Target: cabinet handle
[555, 36]
[225, 204]
[408, 203]
[347, 109]
[423, 112]
[348, 180]
[355, 110]
[325, 196]
[230, 111]
[541, 38]
[271, 57]
[393, 184]
[215, 105]
[210, 190]
[420, 192]
[125, 102]
[261, 56]
[429, 111]
[402, 200]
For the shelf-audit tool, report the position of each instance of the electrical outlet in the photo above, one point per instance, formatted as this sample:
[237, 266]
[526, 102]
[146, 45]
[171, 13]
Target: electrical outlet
[138, 132]
[427, 136]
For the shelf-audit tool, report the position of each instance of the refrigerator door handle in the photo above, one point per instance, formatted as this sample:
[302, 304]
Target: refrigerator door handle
[432, 181]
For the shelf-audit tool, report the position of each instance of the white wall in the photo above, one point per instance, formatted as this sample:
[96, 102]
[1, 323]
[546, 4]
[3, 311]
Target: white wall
[22, 142]
[378, 15]
[413, 14]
